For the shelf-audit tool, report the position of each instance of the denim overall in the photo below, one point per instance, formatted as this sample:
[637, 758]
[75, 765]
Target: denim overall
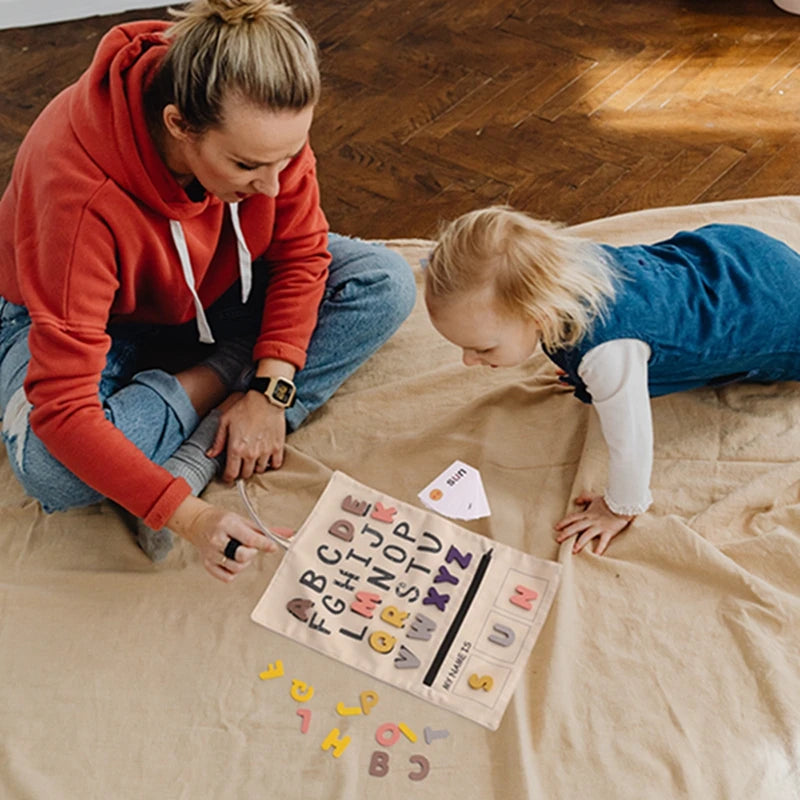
[715, 305]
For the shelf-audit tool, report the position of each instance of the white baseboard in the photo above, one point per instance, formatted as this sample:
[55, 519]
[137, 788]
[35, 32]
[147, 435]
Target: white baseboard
[22, 13]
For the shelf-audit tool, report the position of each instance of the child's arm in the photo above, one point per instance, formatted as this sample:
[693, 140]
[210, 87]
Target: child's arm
[615, 374]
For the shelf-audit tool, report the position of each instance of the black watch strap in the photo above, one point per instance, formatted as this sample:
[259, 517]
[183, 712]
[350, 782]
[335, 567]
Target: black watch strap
[279, 391]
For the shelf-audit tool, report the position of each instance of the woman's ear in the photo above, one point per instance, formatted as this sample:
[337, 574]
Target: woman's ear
[174, 123]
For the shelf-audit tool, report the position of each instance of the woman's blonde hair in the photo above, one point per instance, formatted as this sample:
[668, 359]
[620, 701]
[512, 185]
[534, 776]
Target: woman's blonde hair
[257, 49]
[537, 270]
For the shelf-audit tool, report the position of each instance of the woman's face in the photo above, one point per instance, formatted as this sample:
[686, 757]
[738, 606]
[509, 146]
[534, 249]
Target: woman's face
[486, 337]
[242, 156]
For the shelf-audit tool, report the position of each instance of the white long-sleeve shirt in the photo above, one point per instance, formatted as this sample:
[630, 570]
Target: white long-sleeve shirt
[615, 373]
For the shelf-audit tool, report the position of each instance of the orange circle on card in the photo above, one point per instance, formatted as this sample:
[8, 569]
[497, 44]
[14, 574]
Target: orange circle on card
[436, 494]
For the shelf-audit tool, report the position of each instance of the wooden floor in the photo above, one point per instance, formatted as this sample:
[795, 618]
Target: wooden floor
[570, 109]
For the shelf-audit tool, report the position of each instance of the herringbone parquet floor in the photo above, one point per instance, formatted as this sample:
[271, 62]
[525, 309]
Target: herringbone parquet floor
[570, 109]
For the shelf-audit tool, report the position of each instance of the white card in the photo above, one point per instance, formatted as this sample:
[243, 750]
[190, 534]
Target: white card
[457, 493]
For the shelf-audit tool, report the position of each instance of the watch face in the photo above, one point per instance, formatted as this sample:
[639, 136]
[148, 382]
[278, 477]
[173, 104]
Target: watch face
[283, 391]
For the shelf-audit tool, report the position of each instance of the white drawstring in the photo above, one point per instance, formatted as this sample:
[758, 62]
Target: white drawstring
[203, 328]
[245, 269]
[245, 259]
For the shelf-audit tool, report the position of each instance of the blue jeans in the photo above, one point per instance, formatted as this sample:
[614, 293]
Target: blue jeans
[369, 292]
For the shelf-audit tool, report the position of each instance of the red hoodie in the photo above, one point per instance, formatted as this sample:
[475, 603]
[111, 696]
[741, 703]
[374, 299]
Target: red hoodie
[86, 239]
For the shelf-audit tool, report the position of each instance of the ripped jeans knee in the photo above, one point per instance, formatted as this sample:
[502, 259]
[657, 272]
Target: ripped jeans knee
[42, 476]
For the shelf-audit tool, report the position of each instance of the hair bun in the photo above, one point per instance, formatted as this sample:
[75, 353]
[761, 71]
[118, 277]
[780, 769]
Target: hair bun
[234, 12]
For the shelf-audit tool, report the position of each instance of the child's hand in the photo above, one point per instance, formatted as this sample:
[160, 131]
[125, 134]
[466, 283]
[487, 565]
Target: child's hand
[596, 520]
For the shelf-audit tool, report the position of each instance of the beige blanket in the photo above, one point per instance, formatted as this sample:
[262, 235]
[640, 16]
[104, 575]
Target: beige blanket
[667, 669]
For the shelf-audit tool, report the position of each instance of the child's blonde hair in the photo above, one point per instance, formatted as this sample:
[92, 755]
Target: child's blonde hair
[537, 270]
[257, 49]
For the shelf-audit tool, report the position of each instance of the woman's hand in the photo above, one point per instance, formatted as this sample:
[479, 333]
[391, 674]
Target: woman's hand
[210, 529]
[254, 431]
[595, 521]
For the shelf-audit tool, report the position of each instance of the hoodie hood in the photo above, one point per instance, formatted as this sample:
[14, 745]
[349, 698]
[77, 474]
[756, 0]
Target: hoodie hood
[107, 115]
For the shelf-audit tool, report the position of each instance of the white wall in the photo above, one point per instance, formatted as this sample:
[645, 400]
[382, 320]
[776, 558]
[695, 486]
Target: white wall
[18, 13]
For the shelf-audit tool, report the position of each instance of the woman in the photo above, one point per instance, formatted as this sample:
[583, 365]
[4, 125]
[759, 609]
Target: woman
[137, 202]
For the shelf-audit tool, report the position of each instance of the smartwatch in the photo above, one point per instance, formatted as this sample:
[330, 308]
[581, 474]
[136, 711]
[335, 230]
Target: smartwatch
[279, 391]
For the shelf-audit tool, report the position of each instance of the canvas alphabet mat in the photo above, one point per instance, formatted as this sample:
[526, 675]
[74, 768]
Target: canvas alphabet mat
[411, 599]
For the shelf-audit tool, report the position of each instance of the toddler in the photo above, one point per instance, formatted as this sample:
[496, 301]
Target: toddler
[623, 324]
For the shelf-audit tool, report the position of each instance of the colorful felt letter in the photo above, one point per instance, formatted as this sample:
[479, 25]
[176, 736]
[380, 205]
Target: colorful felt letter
[348, 711]
[273, 671]
[368, 701]
[424, 768]
[365, 603]
[301, 692]
[484, 682]
[342, 529]
[523, 597]
[382, 642]
[405, 659]
[382, 513]
[305, 715]
[339, 745]
[379, 764]
[387, 734]
[431, 734]
[503, 635]
[299, 607]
